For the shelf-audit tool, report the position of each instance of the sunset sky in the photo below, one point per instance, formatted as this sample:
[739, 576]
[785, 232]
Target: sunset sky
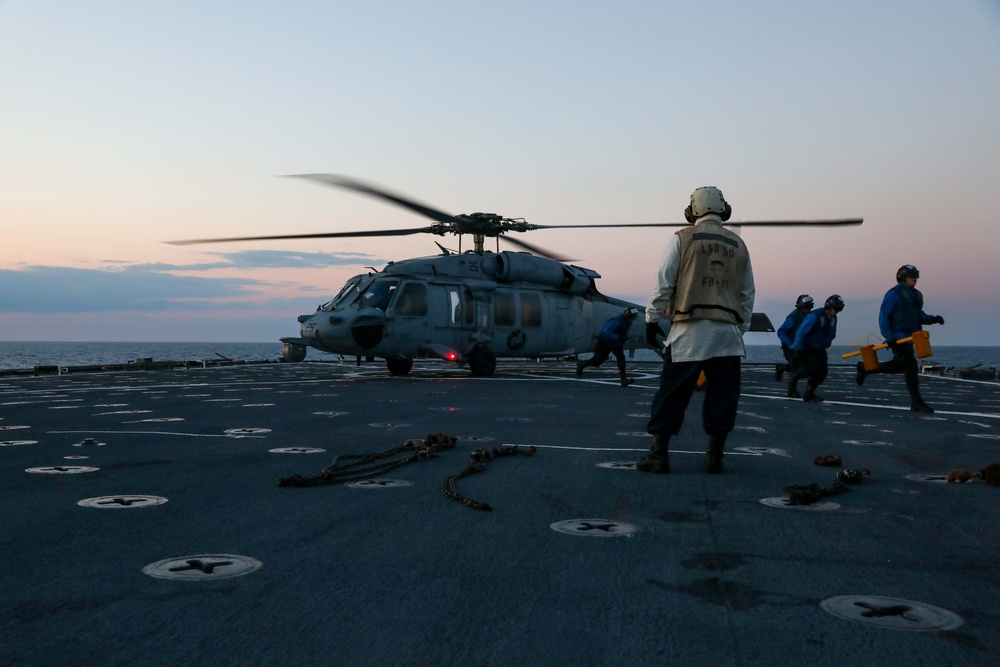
[127, 124]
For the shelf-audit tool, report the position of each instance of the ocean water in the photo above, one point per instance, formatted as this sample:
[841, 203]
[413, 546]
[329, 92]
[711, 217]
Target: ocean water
[18, 355]
[21, 355]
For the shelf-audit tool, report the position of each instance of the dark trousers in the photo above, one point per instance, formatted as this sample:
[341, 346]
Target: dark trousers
[904, 360]
[677, 383]
[788, 353]
[601, 352]
[811, 364]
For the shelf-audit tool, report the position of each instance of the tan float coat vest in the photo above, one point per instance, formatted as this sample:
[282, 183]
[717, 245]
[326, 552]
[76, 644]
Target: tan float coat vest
[710, 276]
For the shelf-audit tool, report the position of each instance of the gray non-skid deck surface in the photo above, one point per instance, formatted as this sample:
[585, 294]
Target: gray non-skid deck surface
[402, 575]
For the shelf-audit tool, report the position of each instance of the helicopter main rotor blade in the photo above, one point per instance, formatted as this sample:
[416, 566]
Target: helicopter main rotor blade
[748, 223]
[533, 248]
[324, 235]
[336, 181]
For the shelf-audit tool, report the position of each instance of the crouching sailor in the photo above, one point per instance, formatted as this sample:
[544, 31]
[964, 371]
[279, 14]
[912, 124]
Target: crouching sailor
[809, 349]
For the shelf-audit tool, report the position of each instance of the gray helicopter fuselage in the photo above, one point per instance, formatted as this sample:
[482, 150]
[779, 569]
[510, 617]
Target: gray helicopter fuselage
[464, 307]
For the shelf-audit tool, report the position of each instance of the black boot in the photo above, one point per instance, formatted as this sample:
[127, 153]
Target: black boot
[779, 371]
[810, 395]
[793, 388]
[626, 381]
[658, 458]
[580, 365]
[713, 457]
[918, 405]
[860, 379]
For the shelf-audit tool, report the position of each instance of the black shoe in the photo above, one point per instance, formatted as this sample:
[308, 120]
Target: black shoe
[779, 372]
[627, 381]
[713, 455]
[919, 406]
[713, 464]
[658, 458]
[811, 397]
[650, 464]
[794, 393]
[860, 379]
[579, 368]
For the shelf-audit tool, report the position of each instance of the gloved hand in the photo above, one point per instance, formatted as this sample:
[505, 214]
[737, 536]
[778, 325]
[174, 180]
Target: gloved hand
[652, 332]
[938, 319]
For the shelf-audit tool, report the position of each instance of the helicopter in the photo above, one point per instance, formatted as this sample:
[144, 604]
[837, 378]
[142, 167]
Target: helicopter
[469, 307]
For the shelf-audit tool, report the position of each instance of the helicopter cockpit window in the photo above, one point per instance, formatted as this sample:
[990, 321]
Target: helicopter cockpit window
[346, 294]
[379, 293]
[412, 300]
[503, 309]
[531, 310]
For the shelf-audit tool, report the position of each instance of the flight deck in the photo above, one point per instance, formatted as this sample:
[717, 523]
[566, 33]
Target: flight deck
[143, 522]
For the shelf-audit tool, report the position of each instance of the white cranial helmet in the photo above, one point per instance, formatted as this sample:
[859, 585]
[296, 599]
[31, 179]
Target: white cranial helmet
[706, 200]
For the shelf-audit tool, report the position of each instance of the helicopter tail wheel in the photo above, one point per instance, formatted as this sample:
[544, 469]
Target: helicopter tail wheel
[482, 363]
[292, 352]
[399, 366]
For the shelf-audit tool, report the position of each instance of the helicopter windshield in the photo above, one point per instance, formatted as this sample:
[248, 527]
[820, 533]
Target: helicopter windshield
[379, 293]
[346, 294]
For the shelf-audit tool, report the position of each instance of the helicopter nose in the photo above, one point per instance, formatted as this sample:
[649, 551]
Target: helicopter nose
[325, 327]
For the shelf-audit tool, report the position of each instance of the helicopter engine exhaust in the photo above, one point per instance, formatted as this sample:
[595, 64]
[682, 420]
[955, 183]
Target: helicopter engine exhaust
[519, 266]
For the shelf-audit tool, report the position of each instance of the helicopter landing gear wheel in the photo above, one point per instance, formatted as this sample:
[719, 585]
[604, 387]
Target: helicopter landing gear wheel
[293, 352]
[482, 363]
[399, 366]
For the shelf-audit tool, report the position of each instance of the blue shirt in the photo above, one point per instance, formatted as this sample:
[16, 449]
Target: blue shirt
[902, 313]
[786, 332]
[816, 332]
[615, 331]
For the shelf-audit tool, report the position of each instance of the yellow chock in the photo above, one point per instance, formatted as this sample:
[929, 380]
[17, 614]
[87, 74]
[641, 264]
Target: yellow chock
[921, 347]
[869, 358]
[922, 344]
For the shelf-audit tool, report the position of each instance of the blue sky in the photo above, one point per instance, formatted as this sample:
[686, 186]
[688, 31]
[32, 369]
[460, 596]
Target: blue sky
[129, 124]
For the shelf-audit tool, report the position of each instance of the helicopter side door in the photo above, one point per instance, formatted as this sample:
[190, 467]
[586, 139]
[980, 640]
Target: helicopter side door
[406, 317]
[454, 324]
[519, 322]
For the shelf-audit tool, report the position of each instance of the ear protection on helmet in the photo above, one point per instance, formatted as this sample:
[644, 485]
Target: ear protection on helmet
[725, 214]
[907, 271]
[706, 200]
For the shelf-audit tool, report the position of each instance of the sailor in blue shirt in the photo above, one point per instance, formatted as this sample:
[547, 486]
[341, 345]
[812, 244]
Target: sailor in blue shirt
[812, 339]
[786, 332]
[612, 340]
[902, 314]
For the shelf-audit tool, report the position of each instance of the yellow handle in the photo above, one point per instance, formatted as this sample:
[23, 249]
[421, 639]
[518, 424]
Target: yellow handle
[876, 347]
